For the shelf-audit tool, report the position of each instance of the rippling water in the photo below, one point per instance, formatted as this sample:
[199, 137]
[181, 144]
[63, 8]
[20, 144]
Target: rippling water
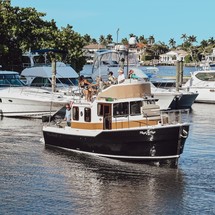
[39, 180]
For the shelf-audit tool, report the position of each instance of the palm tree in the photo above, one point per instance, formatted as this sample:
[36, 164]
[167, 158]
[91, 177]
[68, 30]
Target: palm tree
[151, 40]
[192, 39]
[211, 41]
[204, 43]
[142, 39]
[87, 38]
[172, 42]
[132, 35]
[202, 48]
[184, 37]
[102, 40]
[192, 50]
[109, 38]
[94, 41]
[124, 41]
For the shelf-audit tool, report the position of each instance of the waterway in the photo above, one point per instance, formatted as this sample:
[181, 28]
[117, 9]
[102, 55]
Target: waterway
[38, 180]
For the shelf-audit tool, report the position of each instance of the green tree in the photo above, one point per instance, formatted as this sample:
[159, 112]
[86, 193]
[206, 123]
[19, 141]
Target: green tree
[211, 41]
[109, 39]
[102, 40]
[87, 38]
[184, 37]
[192, 39]
[72, 43]
[124, 41]
[24, 28]
[172, 42]
[151, 40]
[142, 39]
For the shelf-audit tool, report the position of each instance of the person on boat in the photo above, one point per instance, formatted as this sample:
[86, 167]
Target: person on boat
[85, 85]
[121, 76]
[111, 78]
[132, 75]
[98, 85]
[67, 117]
[122, 63]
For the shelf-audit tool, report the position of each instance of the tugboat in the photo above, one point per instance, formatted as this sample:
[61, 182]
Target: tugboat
[122, 122]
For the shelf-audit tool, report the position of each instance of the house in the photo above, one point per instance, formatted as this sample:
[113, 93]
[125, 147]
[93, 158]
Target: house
[90, 50]
[211, 57]
[172, 56]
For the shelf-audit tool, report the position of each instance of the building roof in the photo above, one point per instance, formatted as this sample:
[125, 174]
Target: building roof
[94, 46]
[175, 52]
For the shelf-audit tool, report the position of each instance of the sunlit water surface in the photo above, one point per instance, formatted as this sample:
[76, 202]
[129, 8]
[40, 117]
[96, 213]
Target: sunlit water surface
[39, 180]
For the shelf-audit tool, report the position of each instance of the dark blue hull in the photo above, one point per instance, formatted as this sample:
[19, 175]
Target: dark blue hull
[137, 144]
[185, 102]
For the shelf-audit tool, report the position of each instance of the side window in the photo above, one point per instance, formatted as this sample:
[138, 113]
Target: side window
[206, 76]
[87, 114]
[100, 110]
[151, 102]
[75, 113]
[120, 109]
[39, 81]
[135, 108]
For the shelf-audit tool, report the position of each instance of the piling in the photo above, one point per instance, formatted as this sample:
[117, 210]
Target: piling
[53, 75]
[179, 74]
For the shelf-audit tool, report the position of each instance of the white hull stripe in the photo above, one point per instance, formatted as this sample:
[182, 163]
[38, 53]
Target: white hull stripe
[121, 156]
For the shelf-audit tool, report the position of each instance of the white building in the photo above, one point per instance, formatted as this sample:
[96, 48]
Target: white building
[90, 50]
[172, 56]
[211, 57]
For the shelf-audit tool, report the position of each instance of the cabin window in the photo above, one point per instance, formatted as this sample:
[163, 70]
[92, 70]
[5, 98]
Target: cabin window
[67, 81]
[120, 109]
[75, 113]
[135, 108]
[151, 102]
[87, 114]
[209, 76]
[41, 82]
[100, 109]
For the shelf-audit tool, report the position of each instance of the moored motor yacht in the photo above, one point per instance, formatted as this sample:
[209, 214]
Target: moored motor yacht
[122, 122]
[203, 83]
[18, 100]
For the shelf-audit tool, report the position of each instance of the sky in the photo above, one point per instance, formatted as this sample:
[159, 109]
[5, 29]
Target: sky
[162, 19]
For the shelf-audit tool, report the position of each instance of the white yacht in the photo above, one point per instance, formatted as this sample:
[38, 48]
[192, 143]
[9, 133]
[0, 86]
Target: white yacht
[18, 100]
[202, 82]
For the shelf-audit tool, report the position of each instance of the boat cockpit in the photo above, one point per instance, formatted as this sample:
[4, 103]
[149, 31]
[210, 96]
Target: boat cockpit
[10, 79]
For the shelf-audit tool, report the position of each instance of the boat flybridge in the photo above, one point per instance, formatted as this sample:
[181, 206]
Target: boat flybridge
[39, 71]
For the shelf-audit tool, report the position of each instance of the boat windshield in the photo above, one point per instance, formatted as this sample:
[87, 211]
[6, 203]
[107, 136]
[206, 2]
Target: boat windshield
[68, 81]
[107, 58]
[206, 76]
[10, 80]
[46, 82]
